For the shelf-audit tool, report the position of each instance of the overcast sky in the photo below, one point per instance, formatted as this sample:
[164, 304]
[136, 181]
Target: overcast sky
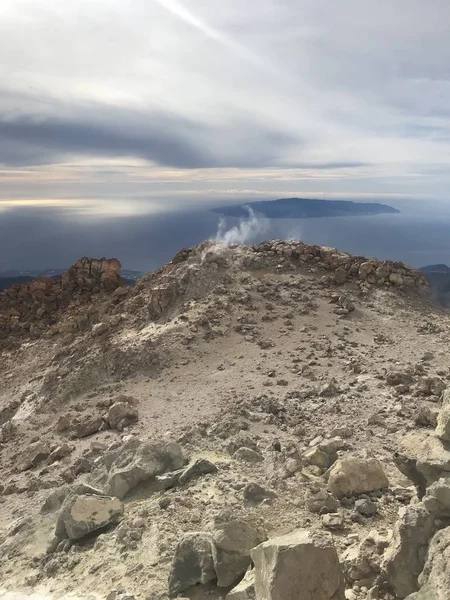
[124, 108]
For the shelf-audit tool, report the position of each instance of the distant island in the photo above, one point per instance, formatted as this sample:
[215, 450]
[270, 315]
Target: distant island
[304, 208]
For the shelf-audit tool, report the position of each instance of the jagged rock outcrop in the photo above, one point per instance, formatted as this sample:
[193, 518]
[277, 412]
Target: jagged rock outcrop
[343, 267]
[434, 580]
[31, 307]
[404, 558]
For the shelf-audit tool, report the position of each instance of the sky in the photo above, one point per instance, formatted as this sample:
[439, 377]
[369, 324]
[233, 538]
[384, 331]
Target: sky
[112, 110]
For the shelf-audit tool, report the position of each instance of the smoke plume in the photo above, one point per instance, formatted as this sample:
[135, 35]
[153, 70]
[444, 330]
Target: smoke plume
[247, 230]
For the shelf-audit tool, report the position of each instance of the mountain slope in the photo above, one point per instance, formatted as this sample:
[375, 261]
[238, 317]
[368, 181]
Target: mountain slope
[278, 348]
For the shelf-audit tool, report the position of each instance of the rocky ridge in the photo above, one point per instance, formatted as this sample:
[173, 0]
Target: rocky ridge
[30, 308]
[247, 422]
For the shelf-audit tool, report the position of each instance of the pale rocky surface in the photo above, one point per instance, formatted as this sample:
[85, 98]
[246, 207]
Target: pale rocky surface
[239, 377]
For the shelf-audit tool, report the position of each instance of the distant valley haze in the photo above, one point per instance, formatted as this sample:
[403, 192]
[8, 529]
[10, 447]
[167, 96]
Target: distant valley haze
[124, 124]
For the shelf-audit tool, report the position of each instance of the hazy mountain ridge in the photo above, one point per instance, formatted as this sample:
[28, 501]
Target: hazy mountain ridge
[305, 208]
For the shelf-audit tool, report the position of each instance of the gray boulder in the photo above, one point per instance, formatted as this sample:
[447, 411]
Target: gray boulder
[80, 515]
[423, 458]
[435, 577]
[301, 565]
[245, 589]
[199, 467]
[321, 501]
[35, 454]
[234, 538]
[248, 455]
[120, 415]
[437, 498]
[192, 563]
[137, 464]
[405, 557]
[443, 419]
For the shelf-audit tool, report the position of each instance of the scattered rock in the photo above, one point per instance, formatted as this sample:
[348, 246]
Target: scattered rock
[36, 453]
[192, 563]
[87, 426]
[434, 580]
[301, 565]
[248, 455]
[423, 458]
[395, 378]
[333, 521]
[356, 476]
[329, 389]
[321, 501]
[443, 419]
[234, 538]
[315, 456]
[362, 563]
[55, 499]
[80, 515]
[405, 557]
[120, 415]
[366, 507]
[199, 467]
[63, 423]
[430, 386]
[59, 453]
[245, 590]
[255, 493]
[426, 417]
[137, 464]
[437, 498]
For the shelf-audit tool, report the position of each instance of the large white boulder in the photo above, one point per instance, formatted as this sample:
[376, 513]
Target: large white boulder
[354, 475]
[301, 565]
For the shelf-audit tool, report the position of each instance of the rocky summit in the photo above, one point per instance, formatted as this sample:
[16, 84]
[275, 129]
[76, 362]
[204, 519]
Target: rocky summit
[266, 422]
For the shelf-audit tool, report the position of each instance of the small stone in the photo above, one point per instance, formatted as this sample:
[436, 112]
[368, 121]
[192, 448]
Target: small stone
[255, 493]
[426, 417]
[120, 415]
[59, 453]
[248, 455]
[88, 426]
[316, 502]
[366, 507]
[63, 423]
[164, 502]
[199, 467]
[333, 521]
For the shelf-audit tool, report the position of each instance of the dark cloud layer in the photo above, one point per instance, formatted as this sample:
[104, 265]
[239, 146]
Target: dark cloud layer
[160, 136]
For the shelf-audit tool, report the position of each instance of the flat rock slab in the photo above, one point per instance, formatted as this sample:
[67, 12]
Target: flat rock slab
[83, 514]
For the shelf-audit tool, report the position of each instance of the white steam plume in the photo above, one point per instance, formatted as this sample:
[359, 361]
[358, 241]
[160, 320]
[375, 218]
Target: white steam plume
[247, 229]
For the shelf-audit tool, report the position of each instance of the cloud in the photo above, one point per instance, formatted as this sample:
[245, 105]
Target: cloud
[157, 136]
[269, 95]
